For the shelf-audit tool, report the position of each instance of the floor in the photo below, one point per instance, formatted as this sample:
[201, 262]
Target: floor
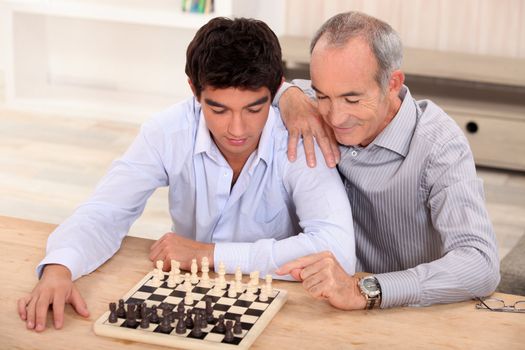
[49, 164]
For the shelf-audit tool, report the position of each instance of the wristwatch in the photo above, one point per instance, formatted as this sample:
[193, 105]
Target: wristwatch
[371, 290]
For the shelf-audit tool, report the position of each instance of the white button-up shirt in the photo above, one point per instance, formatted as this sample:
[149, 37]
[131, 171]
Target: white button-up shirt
[276, 211]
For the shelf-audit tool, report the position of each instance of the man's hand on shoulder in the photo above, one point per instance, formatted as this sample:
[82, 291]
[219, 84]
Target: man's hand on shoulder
[324, 278]
[173, 246]
[302, 118]
[54, 288]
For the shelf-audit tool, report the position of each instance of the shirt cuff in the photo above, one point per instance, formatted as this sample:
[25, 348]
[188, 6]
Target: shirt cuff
[399, 288]
[233, 255]
[285, 86]
[65, 256]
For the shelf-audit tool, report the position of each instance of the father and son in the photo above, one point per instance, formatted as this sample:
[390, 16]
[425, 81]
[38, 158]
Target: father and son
[404, 202]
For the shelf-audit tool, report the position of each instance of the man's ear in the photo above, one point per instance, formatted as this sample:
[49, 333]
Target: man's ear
[192, 87]
[397, 79]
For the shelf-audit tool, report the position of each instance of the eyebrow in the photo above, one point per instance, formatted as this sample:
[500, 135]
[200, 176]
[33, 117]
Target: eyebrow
[255, 103]
[346, 94]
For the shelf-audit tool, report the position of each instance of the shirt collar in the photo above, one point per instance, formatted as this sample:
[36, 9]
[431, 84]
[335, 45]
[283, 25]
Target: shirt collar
[205, 144]
[398, 133]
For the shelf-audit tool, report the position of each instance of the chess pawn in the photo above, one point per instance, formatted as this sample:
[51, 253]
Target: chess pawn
[232, 291]
[269, 288]
[160, 268]
[175, 267]
[264, 295]
[188, 299]
[237, 328]
[238, 280]
[194, 269]
[171, 279]
[222, 273]
[205, 268]
[156, 281]
[217, 290]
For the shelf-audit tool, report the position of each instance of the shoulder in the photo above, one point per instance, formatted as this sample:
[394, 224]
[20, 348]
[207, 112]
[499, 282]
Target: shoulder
[436, 128]
[178, 117]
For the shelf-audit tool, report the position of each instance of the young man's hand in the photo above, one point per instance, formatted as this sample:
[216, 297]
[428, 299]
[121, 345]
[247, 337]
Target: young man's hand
[301, 117]
[324, 278]
[172, 246]
[55, 289]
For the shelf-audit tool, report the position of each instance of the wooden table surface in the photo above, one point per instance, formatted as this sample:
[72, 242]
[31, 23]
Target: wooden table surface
[302, 323]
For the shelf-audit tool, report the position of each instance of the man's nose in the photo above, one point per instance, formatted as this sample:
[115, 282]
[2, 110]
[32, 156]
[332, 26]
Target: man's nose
[236, 127]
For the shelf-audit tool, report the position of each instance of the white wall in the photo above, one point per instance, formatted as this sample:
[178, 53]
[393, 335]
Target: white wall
[489, 27]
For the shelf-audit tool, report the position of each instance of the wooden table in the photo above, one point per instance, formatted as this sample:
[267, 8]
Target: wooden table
[303, 322]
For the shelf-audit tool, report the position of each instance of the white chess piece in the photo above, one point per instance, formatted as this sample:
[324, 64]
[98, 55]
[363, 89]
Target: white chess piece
[222, 273]
[269, 288]
[171, 279]
[205, 277]
[175, 267]
[232, 292]
[238, 280]
[263, 296]
[188, 299]
[156, 281]
[194, 270]
[217, 290]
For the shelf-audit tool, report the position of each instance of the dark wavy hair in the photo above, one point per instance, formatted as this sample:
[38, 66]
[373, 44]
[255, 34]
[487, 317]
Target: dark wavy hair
[242, 53]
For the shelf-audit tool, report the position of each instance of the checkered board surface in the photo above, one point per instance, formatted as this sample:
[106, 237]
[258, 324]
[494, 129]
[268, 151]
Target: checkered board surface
[255, 315]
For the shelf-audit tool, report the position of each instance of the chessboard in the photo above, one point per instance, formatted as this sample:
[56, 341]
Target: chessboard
[228, 316]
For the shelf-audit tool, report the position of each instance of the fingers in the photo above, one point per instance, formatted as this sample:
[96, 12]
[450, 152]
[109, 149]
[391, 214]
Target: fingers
[309, 149]
[293, 139]
[300, 263]
[41, 307]
[78, 303]
[58, 310]
[296, 274]
[22, 304]
[327, 150]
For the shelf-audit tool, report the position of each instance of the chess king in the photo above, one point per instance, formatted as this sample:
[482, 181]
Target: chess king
[233, 195]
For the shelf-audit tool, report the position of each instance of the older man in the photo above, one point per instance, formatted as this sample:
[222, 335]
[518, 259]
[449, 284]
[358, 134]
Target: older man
[419, 215]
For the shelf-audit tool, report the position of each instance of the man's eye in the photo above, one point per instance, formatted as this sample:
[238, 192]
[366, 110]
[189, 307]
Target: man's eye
[254, 110]
[218, 111]
[351, 101]
[321, 97]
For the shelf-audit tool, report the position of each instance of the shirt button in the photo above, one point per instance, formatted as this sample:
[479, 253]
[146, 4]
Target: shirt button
[354, 153]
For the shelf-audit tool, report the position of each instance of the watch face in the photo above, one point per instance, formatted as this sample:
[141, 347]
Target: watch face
[371, 286]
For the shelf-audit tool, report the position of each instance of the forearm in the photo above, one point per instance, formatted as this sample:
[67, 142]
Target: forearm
[461, 274]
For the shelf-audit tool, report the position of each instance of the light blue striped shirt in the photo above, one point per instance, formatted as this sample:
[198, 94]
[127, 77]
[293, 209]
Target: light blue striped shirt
[419, 209]
[276, 211]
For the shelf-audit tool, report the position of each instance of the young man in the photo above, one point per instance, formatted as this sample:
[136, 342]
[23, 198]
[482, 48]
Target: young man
[420, 220]
[233, 195]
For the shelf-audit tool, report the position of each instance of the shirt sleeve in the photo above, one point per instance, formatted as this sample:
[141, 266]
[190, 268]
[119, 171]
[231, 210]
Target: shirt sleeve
[304, 85]
[469, 266]
[325, 220]
[95, 231]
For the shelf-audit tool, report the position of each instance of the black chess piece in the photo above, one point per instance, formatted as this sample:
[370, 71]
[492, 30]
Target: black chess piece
[154, 316]
[220, 327]
[121, 311]
[237, 328]
[209, 311]
[181, 325]
[180, 307]
[189, 320]
[138, 313]
[228, 334]
[131, 320]
[204, 322]
[196, 331]
[165, 325]
[144, 322]
[112, 313]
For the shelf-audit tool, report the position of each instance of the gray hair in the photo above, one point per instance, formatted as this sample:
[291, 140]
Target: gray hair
[384, 41]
